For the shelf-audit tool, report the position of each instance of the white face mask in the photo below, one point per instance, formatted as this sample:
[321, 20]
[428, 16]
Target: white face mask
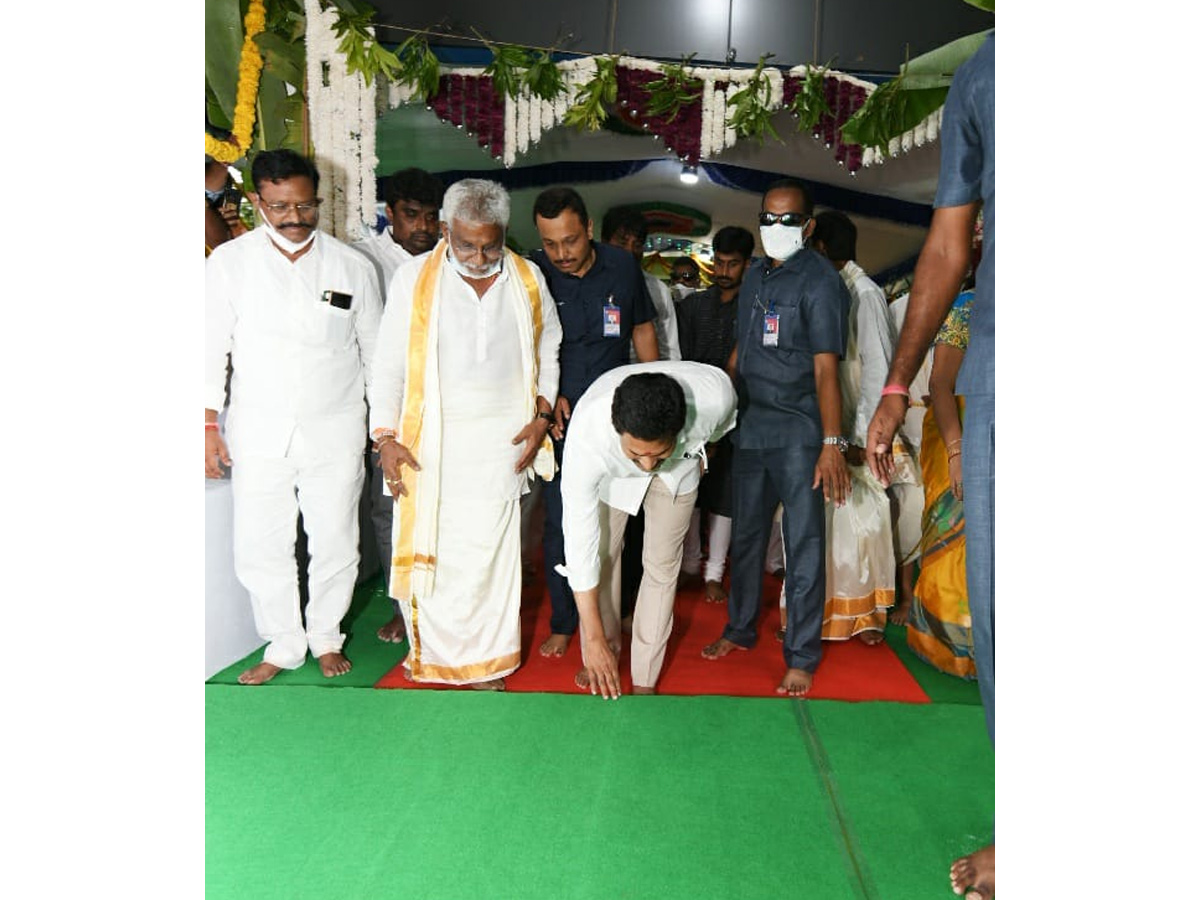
[467, 273]
[283, 243]
[780, 242]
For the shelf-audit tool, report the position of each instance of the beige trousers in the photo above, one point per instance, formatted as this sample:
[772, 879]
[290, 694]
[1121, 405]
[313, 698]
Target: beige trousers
[667, 521]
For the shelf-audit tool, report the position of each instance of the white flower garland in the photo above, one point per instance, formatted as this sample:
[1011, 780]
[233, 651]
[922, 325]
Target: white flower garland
[527, 118]
[342, 126]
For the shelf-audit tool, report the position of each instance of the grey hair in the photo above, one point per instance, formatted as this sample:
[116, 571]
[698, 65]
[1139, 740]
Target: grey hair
[476, 201]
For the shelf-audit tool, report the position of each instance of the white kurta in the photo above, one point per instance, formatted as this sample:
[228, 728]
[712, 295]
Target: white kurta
[468, 628]
[386, 254]
[296, 425]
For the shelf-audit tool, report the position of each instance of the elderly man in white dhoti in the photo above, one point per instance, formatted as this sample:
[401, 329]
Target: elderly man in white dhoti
[464, 379]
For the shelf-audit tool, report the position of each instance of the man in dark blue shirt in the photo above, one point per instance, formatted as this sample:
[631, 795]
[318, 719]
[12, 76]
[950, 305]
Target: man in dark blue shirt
[966, 184]
[791, 331]
[602, 305]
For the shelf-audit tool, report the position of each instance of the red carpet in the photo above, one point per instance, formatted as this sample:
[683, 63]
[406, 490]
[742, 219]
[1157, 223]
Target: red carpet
[849, 670]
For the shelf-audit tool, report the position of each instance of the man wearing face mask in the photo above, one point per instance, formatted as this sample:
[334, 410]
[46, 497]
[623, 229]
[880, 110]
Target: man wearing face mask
[791, 332]
[412, 199]
[298, 311]
[685, 278]
[463, 383]
[637, 442]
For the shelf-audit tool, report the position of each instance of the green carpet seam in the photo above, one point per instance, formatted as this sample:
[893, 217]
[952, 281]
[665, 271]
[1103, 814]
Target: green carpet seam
[852, 855]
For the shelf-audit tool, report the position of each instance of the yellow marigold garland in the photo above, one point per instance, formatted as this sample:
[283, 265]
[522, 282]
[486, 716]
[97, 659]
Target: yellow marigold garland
[249, 69]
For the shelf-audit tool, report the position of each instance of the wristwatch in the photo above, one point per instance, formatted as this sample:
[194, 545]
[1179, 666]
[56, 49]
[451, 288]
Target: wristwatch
[836, 440]
[549, 417]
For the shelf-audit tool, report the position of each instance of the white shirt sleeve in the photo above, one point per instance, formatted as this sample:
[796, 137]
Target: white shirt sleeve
[876, 346]
[366, 323]
[583, 472]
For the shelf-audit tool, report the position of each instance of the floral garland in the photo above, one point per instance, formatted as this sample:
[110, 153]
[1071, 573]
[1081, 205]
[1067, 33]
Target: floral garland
[342, 117]
[249, 69]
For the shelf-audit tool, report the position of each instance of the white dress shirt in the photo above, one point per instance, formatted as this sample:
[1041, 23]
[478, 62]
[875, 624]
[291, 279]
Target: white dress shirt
[298, 361]
[596, 470]
[386, 254]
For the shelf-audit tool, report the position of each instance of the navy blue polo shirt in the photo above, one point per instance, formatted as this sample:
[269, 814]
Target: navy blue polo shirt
[585, 354]
[777, 388]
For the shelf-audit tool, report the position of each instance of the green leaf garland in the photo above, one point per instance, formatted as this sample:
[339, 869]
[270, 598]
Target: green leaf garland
[749, 115]
[594, 97]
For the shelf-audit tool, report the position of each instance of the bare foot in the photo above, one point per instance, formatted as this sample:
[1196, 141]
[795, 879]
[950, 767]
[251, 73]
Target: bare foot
[975, 875]
[582, 681]
[796, 683]
[714, 593]
[260, 674]
[333, 664]
[496, 684]
[638, 689]
[899, 613]
[555, 645]
[393, 631]
[870, 638]
[719, 648]
[780, 634]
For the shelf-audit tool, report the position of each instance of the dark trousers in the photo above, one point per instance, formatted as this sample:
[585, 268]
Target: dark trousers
[381, 522]
[762, 479]
[564, 617]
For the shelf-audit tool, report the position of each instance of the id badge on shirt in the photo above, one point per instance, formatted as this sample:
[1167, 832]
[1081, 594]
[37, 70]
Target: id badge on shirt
[612, 319]
[770, 332]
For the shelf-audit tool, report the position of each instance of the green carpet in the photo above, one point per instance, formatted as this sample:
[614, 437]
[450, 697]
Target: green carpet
[446, 794]
[940, 687]
[371, 657]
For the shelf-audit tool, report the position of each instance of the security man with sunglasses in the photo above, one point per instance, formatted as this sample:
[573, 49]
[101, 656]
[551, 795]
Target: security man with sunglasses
[792, 326]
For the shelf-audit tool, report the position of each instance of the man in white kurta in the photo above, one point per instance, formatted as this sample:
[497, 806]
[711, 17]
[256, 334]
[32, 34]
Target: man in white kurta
[608, 475]
[298, 312]
[463, 381]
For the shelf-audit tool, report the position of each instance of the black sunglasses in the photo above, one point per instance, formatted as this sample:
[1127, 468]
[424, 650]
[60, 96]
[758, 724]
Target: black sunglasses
[791, 220]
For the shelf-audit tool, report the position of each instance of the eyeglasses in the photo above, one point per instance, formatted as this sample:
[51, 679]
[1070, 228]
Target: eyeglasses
[491, 252]
[789, 219]
[302, 208]
[684, 276]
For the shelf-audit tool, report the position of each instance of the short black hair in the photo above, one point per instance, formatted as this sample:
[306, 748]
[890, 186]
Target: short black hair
[792, 184]
[649, 406]
[416, 185]
[624, 218]
[276, 165]
[686, 261]
[838, 234]
[734, 239]
[551, 202]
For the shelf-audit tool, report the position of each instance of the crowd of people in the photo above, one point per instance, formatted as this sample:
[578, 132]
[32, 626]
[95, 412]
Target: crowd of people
[669, 429]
